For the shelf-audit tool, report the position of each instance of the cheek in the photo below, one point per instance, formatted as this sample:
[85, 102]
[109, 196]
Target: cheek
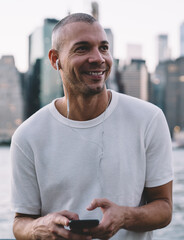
[110, 61]
[68, 67]
[109, 64]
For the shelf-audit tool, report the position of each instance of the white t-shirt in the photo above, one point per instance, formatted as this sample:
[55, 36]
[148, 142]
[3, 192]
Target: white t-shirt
[61, 164]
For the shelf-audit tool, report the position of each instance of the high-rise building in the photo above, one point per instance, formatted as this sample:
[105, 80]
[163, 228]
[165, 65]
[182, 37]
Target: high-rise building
[163, 49]
[159, 82]
[171, 96]
[135, 79]
[170, 86]
[180, 106]
[95, 10]
[39, 46]
[134, 51]
[182, 39]
[11, 98]
[31, 89]
[110, 38]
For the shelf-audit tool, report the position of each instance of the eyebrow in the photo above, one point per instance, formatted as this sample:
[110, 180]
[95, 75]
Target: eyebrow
[87, 43]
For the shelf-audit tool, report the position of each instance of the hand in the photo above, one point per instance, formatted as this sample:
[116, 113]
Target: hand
[52, 225]
[112, 221]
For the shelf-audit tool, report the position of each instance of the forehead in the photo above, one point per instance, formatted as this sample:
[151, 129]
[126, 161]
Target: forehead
[81, 31]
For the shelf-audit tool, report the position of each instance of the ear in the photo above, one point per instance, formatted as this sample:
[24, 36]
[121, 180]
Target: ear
[53, 56]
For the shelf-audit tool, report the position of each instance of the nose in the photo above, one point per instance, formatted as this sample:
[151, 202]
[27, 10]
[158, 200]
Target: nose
[96, 57]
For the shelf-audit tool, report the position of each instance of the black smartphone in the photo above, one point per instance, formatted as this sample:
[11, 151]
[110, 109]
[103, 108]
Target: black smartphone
[77, 225]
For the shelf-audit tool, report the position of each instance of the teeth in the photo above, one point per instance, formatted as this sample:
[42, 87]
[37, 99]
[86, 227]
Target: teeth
[95, 73]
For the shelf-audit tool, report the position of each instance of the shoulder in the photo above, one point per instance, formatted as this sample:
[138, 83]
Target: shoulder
[136, 108]
[32, 125]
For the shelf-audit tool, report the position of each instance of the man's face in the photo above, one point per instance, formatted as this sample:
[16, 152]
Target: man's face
[85, 58]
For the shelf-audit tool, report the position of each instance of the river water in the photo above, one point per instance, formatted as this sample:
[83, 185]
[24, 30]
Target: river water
[175, 231]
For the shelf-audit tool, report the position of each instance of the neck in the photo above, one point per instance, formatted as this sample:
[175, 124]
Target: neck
[84, 108]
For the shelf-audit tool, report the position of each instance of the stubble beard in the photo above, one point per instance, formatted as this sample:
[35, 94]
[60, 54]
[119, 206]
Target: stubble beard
[82, 88]
[94, 91]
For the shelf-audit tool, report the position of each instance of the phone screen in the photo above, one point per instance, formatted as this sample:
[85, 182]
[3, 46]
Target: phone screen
[77, 225]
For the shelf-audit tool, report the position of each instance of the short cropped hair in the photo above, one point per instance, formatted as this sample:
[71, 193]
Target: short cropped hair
[75, 17]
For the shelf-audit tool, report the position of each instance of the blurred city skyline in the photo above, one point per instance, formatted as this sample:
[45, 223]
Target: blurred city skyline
[131, 21]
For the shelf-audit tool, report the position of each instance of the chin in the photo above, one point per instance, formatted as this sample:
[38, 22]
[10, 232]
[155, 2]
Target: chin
[95, 90]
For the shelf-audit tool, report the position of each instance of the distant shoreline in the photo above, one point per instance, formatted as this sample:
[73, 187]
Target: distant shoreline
[3, 144]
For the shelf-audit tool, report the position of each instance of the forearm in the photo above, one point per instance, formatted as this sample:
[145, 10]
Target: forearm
[154, 215]
[35, 227]
[23, 228]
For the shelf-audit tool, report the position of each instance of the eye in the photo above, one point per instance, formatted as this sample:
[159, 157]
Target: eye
[104, 48]
[81, 49]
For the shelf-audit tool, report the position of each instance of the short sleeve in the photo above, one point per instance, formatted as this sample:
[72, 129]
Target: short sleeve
[159, 159]
[25, 195]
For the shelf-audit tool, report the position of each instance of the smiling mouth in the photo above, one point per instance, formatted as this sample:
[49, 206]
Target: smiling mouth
[94, 73]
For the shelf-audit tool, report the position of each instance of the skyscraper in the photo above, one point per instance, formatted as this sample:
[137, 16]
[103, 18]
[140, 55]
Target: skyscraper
[135, 79]
[39, 46]
[171, 94]
[171, 88]
[182, 39]
[134, 51]
[11, 98]
[95, 10]
[180, 106]
[110, 38]
[163, 49]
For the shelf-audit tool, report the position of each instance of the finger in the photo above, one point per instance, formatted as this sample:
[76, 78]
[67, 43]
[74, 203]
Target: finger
[61, 220]
[65, 217]
[101, 202]
[66, 234]
[101, 231]
[70, 215]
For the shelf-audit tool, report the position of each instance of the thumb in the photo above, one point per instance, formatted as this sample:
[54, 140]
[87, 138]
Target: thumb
[99, 202]
[61, 220]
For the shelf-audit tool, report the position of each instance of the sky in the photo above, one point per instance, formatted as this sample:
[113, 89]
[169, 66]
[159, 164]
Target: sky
[131, 21]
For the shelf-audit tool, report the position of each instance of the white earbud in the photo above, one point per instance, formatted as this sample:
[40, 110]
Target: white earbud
[57, 64]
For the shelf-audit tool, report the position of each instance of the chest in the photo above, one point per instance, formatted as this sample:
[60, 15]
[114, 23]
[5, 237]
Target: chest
[85, 160]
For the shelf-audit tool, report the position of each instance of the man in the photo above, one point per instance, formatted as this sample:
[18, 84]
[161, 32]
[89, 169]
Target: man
[93, 148]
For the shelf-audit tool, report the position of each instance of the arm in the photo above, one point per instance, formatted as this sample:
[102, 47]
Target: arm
[156, 214]
[51, 226]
